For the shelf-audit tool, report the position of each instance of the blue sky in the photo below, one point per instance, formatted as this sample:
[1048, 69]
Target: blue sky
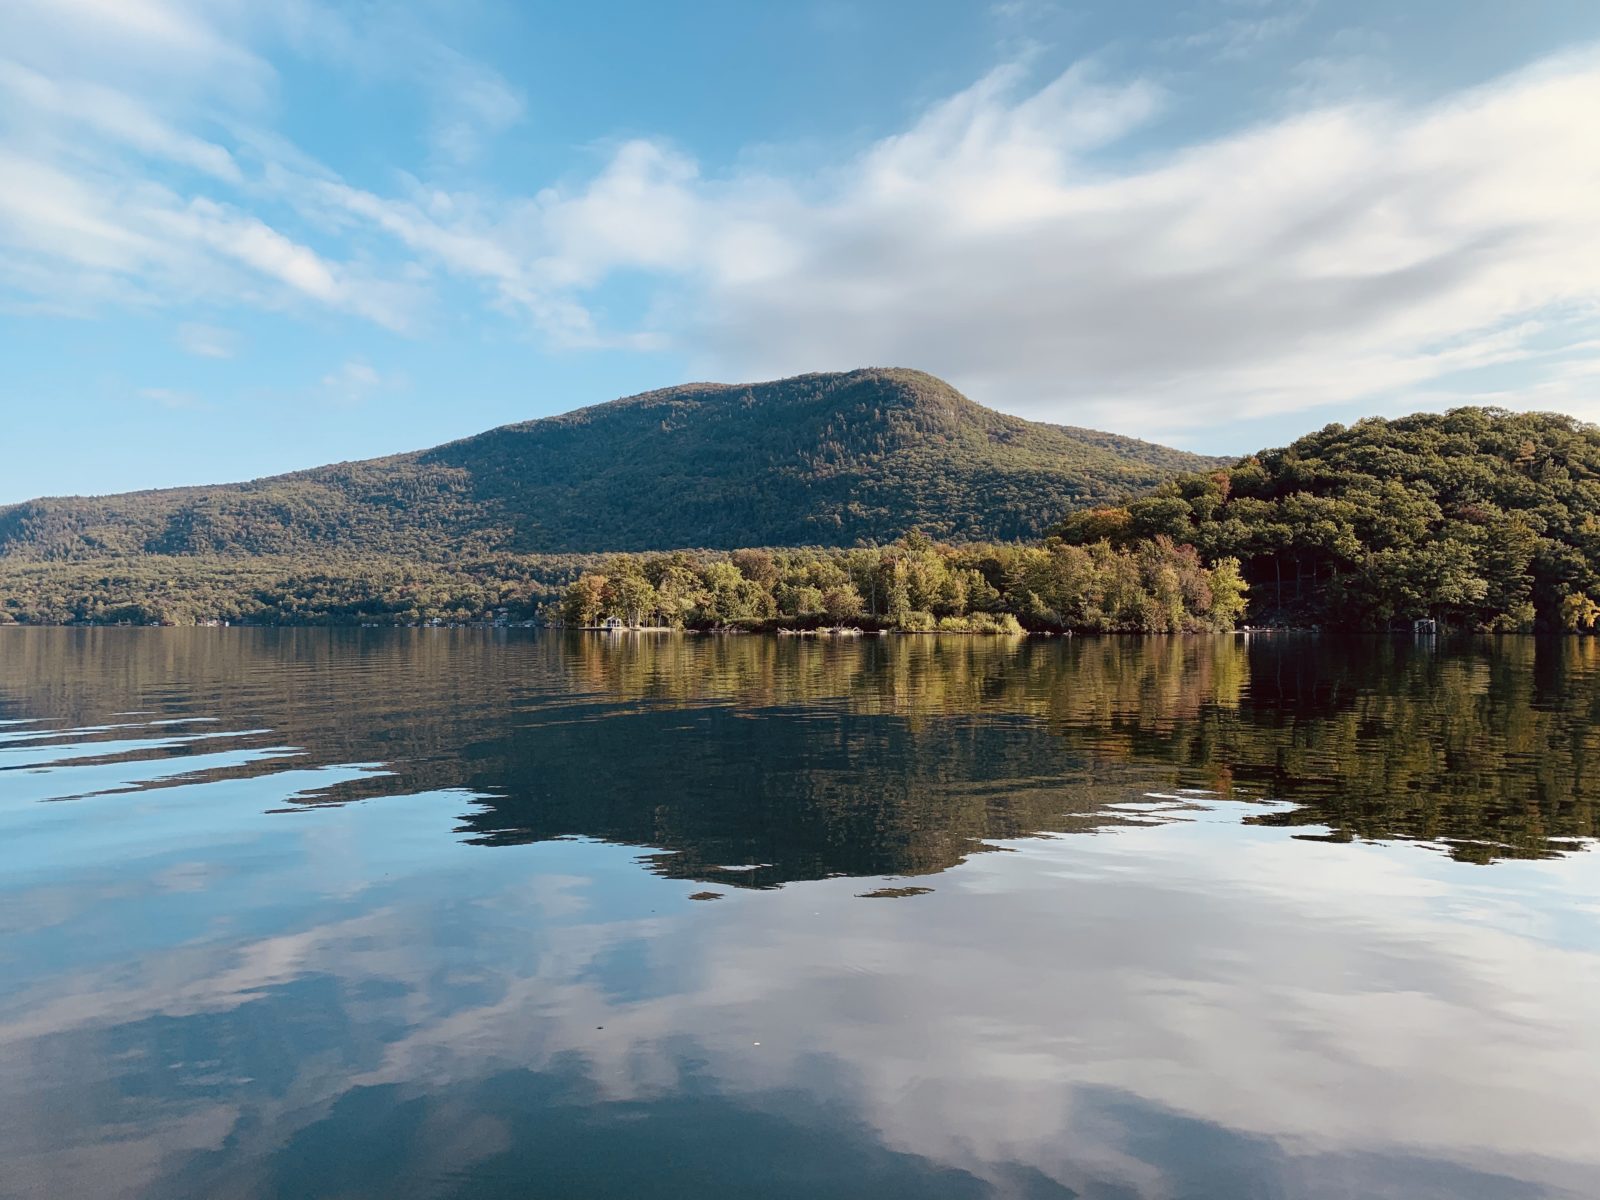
[240, 237]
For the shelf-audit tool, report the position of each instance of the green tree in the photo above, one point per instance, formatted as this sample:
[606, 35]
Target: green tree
[842, 603]
[585, 600]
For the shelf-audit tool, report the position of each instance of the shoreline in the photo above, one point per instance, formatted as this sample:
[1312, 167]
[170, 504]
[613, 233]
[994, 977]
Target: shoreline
[774, 632]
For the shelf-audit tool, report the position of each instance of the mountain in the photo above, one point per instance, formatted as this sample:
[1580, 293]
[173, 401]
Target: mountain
[825, 459]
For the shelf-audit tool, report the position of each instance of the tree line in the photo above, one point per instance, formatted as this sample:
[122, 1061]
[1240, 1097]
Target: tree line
[1477, 518]
[917, 585]
[914, 584]
[283, 589]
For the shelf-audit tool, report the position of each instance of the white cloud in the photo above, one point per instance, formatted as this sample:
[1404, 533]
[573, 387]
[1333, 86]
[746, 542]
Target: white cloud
[1021, 10]
[538, 256]
[1030, 240]
[207, 341]
[114, 115]
[170, 398]
[1239, 37]
[1338, 256]
[90, 237]
[469, 103]
[1334, 256]
[112, 199]
[357, 381]
[1195, 997]
[169, 48]
[169, 26]
[62, 217]
[474, 106]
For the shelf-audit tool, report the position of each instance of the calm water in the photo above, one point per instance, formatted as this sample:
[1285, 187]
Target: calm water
[466, 914]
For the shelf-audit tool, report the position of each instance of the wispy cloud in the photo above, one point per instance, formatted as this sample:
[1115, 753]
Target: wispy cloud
[207, 341]
[1254, 26]
[357, 381]
[169, 47]
[469, 103]
[473, 106]
[90, 236]
[171, 398]
[114, 115]
[538, 256]
[114, 199]
[1019, 236]
[1334, 256]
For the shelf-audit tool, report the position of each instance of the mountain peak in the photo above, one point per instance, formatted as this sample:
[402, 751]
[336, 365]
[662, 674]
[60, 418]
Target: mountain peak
[824, 458]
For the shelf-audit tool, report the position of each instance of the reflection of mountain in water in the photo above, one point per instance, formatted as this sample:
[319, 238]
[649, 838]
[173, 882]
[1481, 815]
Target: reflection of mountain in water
[754, 761]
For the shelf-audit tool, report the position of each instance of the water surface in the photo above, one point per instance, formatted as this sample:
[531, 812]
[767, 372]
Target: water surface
[431, 913]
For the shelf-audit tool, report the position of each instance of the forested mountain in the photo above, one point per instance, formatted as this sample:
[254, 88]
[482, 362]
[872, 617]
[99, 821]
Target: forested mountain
[1478, 517]
[817, 460]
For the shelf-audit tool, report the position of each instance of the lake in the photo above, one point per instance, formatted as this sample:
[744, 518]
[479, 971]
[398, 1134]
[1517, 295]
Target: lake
[467, 913]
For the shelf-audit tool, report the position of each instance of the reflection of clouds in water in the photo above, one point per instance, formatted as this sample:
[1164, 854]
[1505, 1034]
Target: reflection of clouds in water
[202, 993]
[1319, 1013]
[1123, 1008]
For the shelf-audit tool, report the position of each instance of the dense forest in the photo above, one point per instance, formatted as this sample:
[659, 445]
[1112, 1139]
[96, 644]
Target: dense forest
[918, 586]
[832, 460]
[283, 589]
[914, 584]
[1478, 518]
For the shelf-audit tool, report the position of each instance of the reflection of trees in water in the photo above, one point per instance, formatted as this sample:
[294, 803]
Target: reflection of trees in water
[1488, 750]
[795, 759]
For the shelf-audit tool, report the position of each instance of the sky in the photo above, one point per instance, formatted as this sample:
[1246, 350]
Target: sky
[239, 237]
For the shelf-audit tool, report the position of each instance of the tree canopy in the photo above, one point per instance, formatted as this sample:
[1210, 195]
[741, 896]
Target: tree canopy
[1477, 517]
[918, 585]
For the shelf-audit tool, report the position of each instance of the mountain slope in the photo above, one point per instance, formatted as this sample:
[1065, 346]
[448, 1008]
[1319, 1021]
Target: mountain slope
[819, 459]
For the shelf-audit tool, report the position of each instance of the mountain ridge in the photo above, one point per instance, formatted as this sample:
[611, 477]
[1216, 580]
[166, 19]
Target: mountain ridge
[825, 458]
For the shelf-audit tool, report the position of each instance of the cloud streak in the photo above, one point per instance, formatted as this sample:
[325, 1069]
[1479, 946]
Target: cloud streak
[1338, 255]
[207, 341]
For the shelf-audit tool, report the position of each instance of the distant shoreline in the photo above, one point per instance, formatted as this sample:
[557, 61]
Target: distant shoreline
[655, 630]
